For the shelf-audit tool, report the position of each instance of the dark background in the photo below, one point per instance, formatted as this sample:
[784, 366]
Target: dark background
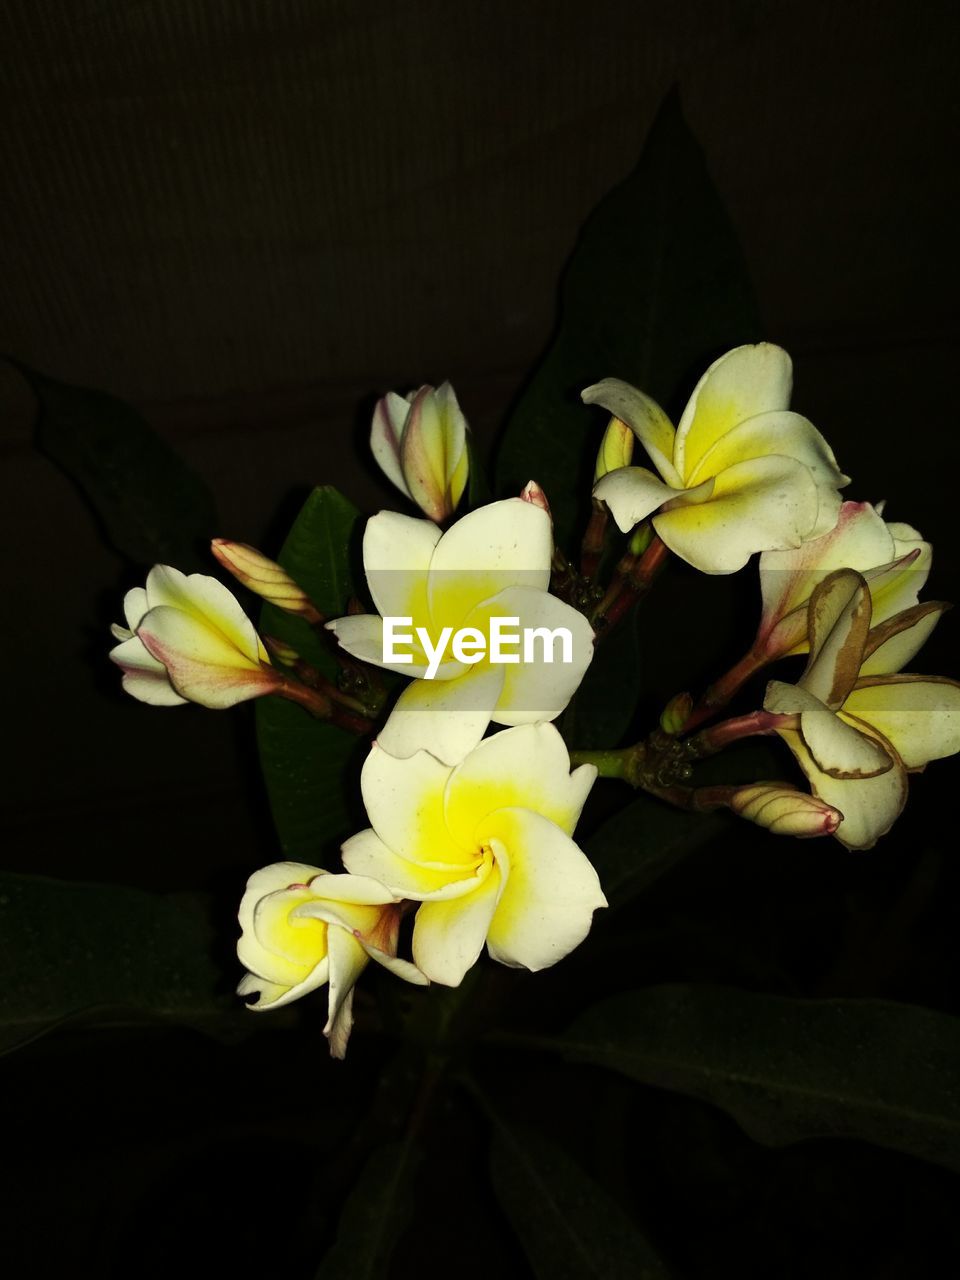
[249, 218]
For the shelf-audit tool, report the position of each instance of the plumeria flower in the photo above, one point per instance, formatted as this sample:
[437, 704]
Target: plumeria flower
[740, 474]
[188, 640]
[892, 557]
[485, 847]
[492, 563]
[861, 725]
[304, 928]
[420, 443]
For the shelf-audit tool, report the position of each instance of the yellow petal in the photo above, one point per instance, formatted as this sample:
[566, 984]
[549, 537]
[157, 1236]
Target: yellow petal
[919, 715]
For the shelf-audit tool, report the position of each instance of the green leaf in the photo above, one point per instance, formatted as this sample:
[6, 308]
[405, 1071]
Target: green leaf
[569, 1226]
[657, 286]
[374, 1216]
[304, 760]
[152, 506]
[70, 949]
[643, 841]
[787, 1069]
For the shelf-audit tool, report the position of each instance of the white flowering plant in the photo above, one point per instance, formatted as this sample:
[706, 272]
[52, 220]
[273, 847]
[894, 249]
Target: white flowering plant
[481, 674]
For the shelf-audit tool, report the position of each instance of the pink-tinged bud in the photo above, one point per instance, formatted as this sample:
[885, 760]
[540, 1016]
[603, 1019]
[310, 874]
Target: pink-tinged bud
[420, 444]
[284, 653]
[533, 494]
[264, 577]
[616, 449]
[785, 811]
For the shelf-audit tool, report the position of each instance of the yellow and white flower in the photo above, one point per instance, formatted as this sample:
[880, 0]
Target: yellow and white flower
[420, 444]
[892, 557]
[740, 473]
[485, 847]
[862, 726]
[494, 562]
[188, 640]
[303, 928]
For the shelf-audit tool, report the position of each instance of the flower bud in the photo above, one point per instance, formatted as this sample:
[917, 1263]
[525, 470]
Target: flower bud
[676, 713]
[421, 446]
[303, 928]
[616, 449]
[784, 810]
[188, 640]
[264, 577]
[531, 492]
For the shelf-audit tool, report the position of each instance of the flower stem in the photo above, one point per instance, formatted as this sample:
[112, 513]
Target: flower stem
[722, 691]
[323, 707]
[755, 724]
[591, 548]
[632, 579]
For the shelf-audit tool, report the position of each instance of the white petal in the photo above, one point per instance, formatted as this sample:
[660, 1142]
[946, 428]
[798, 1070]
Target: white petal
[742, 383]
[447, 719]
[386, 430]
[404, 802]
[762, 505]
[504, 544]
[632, 494]
[361, 634]
[539, 690]
[894, 643]
[527, 767]
[396, 558]
[144, 677]
[644, 417]
[870, 806]
[135, 606]
[278, 875]
[859, 540]
[449, 936]
[919, 715]
[209, 603]
[275, 995]
[547, 904]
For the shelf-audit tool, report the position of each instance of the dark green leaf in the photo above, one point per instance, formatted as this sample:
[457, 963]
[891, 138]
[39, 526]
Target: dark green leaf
[108, 951]
[643, 841]
[153, 507]
[657, 286]
[787, 1069]
[569, 1226]
[303, 759]
[374, 1216]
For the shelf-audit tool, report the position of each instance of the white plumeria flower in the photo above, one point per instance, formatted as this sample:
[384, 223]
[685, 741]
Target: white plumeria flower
[485, 847]
[420, 444]
[740, 474]
[494, 562]
[859, 735]
[892, 557]
[304, 928]
[188, 640]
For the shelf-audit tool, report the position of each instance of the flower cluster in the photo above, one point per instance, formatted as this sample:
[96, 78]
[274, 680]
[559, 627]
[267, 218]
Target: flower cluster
[469, 787]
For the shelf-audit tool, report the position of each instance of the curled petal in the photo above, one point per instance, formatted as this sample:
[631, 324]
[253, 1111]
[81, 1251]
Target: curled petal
[448, 935]
[891, 646]
[347, 961]
[632, 494]
[644, 417]
[366, 854]
[839, 623]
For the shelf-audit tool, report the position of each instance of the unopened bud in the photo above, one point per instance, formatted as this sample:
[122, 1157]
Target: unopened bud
[616, 449]
[420, 444]
[640, 539]
[533, 494]
[284, 653]
[784, 810]
[264, 577]
[676, 713]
